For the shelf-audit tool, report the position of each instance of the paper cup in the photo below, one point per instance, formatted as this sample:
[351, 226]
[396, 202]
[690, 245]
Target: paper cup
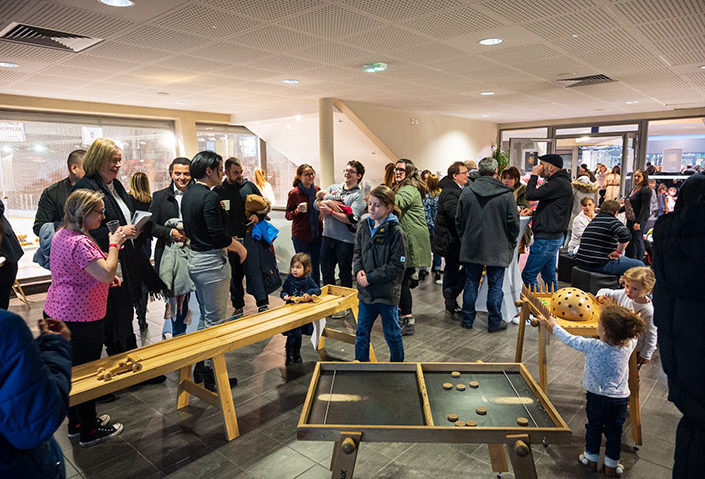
[305, 205]
[225, 204]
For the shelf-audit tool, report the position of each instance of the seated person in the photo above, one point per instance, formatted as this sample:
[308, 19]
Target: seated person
[580, 222]
[603, 242]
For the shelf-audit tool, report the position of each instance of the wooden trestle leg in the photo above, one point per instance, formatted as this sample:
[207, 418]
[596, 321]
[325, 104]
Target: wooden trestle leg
[226, 397]
[634, 406]
[182, 395]
[523, 318]
[342, 463]
[498, 458]
[520, 454]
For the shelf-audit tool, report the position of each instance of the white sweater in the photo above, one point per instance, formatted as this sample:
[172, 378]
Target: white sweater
[580, 221]
[646, 345]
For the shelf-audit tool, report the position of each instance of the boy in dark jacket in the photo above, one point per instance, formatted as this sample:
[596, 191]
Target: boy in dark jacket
[35, 379]
[379, 259]
[551, 218]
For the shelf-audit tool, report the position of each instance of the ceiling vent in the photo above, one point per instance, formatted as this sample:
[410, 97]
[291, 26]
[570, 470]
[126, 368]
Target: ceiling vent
[44, 37]
[585, 81]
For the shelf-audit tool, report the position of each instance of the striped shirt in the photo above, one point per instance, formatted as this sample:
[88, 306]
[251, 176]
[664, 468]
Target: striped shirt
[599, 240]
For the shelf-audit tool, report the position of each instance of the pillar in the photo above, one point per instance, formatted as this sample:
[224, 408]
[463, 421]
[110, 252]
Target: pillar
[325, 141]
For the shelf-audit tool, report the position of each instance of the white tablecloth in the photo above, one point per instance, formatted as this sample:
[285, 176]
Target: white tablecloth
[512, 281]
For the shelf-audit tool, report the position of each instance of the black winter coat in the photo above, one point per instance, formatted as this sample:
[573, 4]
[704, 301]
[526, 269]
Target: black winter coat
[51, 205]
[555, 196]
[237, 194]
[445, 236]
[382, 258]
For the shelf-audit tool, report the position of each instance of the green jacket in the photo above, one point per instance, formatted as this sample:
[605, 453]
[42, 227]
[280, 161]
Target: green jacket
[413, 222]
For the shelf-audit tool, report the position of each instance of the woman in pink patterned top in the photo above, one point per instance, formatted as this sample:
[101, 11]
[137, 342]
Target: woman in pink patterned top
[80, 277]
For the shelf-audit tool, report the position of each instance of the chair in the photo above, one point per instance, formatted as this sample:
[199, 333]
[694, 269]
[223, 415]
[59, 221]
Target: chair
[592, 282]
[565, 266]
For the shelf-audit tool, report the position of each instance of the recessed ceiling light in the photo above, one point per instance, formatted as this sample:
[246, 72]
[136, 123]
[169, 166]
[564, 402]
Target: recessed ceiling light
[375, 67]
[8, 65]
[490, 41]
[485, 116]
[288, 126]
[631, 102]
[487, 93]
[290, 81]
[117, 3]
[298, 117]
[702, 67]
[574, 35]
[180, 102]
[161, 93]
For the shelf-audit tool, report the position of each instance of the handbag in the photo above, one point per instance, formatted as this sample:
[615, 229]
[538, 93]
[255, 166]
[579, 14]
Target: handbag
[628, 210]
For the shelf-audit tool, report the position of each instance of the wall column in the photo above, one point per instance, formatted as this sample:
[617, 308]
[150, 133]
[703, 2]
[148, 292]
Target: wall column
[325, 141]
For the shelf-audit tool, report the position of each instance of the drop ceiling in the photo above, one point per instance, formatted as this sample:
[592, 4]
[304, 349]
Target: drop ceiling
[230, 56]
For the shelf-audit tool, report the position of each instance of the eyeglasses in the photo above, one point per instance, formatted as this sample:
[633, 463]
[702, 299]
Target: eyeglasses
[314, 174]
[349, 171]
[400, 170]
[465, 172]
[100, 212]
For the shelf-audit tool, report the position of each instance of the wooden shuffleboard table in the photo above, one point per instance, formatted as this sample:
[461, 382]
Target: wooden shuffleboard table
[499, 404]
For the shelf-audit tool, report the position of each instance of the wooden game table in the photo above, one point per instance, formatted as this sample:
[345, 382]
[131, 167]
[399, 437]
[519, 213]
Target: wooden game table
[407, 402]
[107, 375]
[538, 303]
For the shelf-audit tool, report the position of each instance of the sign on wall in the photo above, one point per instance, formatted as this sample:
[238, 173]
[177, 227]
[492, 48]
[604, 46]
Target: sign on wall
[12, 131]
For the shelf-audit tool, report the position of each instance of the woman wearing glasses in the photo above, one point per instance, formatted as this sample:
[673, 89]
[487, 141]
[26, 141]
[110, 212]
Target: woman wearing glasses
[306, 227]
[81, 274]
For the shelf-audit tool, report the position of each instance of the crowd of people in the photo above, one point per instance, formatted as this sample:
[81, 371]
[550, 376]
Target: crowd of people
[212, 234]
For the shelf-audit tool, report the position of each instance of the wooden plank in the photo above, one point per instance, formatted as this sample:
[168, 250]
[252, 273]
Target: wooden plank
[543, 363]
[380, 366]
[523, 318]
[226, 397]
[426, 404]
[308, 403]
[201, 393]
[519, 447]
[634, 405]
[470, 367]
[543, 399]
[339, 335]
[345, 454]
[498, 458]
[182, 395]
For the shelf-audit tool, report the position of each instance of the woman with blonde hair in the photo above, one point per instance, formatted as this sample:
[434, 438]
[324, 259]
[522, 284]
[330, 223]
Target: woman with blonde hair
[81, 276]
[264, 186]
[141, 196]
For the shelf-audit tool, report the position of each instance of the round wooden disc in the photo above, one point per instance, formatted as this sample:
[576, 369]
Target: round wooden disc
[469, 423]
[447, 386]
[522, 421]
[460, 387]
[481, 410]
[455, 374]
[460, 423]
[479, 361]
[452, 417]
[474, 384]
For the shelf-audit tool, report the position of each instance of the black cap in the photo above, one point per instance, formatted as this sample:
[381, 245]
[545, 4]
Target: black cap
[555, 160]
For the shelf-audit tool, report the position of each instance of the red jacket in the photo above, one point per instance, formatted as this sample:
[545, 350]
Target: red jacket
[301, 228]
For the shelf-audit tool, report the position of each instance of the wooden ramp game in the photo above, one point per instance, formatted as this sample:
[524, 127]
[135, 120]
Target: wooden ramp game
[498, 404]
[538, 304]
[94, 379]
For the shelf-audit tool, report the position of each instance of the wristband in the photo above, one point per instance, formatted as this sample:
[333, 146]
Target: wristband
[112, 244]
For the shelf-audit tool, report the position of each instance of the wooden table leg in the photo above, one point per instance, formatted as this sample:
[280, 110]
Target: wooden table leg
[634, 406]
[182, 395]
[520, 454]
[543, 363]
[498, 458]
[345, 450]
[523, 317]
[226, 397]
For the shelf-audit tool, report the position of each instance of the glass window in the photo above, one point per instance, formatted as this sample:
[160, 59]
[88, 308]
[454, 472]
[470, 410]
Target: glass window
[230, 141]
[33, 153]
[676, 145]
[280, 173]
[583, 130]
[614, 128]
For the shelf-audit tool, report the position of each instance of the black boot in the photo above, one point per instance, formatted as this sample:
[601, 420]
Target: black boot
[209, 380]
[296, 351]
[451, 305]
[289, 356]
[199, 372]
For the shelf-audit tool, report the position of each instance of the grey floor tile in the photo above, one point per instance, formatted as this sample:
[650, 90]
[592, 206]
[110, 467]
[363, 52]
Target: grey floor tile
[281, 463]
[315, 472]
[132, 465]
[249, 448]
[212, 466]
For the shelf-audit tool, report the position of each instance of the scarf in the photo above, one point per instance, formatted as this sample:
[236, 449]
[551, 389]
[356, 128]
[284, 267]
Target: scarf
[312, 212]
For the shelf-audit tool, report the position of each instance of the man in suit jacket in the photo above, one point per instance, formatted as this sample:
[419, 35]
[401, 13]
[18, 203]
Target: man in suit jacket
[11, 251]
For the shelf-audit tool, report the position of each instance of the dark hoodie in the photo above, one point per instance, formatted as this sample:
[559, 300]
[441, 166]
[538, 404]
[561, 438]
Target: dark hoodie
[237, 222]
[555, 198]
[487, 222]
[445, 237]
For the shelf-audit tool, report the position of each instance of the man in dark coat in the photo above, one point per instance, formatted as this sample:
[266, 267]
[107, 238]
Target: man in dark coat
[488, 224]
[51, 204]
[10, 254]
[679, 265]
[446, 241]
[550, 220]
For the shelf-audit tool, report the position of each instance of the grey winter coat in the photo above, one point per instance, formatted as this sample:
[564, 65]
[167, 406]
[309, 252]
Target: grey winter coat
[487, 222]
[173, 267]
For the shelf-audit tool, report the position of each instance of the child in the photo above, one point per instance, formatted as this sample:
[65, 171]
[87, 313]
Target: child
[606, 380]
[638, 283]
[299, 283]
[379, 259]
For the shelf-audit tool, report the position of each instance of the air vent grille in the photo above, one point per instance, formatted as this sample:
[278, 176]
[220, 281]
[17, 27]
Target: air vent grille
[585, 81]
[44, 37]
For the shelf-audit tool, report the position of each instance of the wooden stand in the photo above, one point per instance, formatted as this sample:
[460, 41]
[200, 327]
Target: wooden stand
[340, 335]
[532, 304]
[19, 292]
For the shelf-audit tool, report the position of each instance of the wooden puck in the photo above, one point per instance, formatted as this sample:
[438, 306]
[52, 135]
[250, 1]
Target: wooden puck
[479, 361]
[481, 410]
[452, 417]
[470, 423]
[460, 423]
[447, 386]
[474, 384]
[460, 387]
[522, 421]
[455, 374]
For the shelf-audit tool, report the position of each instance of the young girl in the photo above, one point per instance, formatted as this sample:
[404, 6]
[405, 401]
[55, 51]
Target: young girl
[299, 283]
[638, 283]
[379, 260]
[606, 381]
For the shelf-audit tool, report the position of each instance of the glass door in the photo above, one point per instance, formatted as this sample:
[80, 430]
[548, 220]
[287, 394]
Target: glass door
[524, 152]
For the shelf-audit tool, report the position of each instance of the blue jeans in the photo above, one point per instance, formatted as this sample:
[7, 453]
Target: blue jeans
[495, 280]
[366, 316]
[606, 416]
[313, 249]
[617, 267]
[542, 259]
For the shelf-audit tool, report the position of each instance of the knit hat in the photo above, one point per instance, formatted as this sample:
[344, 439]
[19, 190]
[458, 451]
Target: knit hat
[555, 160]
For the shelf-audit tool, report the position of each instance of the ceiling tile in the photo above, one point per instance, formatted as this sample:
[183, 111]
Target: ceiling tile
[385, 40]
[205, 21]
[272, 37]
[334, 53]
[646, 11]
[122, 51]
[523, 11]
[459, 21]
[265, 9]
[162, 39]
[230, 53]
[331, 21]
[398, 11]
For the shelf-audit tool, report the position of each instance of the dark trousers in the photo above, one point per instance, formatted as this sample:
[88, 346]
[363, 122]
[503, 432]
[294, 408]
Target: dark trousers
[635, 248]
[453, 275]
[313, 249]
[237, 292]
[405, 299]
[119, 332]
[689, 457]
[606, 416]
[340, 253]
[8, 273]
[86, 346]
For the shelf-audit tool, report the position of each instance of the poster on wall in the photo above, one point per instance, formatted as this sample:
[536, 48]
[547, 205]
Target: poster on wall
[12, 131]
[530, 159]
[90, 133]
[672, 158]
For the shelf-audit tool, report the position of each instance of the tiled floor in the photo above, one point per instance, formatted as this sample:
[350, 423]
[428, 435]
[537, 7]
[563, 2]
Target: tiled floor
[160, 441]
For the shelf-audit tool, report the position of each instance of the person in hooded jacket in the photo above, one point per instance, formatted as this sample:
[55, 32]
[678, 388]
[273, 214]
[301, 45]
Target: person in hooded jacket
[488, 224]
[550, 219]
